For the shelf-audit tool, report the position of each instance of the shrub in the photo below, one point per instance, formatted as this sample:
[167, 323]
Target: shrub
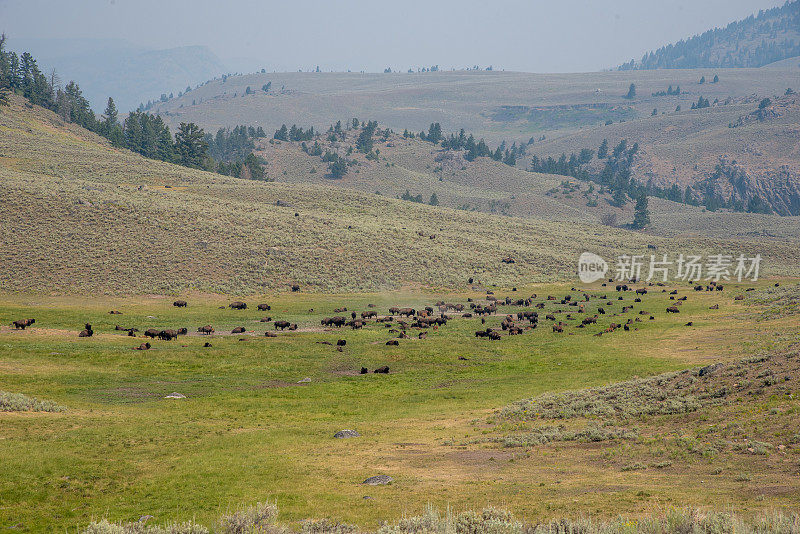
[17, 402]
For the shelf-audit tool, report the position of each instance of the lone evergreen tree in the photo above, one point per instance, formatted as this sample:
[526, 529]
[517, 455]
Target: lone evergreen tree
[631, 91]
[434, 201]
[641, 214]
[190, 144]
[602, 152]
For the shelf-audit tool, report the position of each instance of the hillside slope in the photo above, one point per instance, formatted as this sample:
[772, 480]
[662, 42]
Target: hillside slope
[79, 216]
[773, 35]
[733, 148]
[496, 105]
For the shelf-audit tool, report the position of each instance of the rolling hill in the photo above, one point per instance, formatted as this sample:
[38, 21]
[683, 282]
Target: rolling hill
[129, 73]
[78, 215]
[773, 35]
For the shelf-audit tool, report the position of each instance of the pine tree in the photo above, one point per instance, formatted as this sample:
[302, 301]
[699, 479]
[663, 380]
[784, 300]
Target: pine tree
[631, 92]
[602, 152]
[641, 214]
[190, 145]
[434, 201]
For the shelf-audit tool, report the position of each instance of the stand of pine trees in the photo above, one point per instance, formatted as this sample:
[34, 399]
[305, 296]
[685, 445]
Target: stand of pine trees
[140, 132]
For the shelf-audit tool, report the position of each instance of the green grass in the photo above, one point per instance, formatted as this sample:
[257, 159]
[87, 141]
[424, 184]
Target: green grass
[248, 432]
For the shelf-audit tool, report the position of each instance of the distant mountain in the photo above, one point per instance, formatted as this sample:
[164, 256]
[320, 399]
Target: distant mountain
[129, 73]
[772, 35]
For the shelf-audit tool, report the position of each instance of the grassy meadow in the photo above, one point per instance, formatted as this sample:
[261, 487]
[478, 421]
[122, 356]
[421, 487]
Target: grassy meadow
[253, 429]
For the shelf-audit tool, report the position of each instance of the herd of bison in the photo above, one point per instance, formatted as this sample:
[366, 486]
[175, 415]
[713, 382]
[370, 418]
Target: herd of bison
[561, 313]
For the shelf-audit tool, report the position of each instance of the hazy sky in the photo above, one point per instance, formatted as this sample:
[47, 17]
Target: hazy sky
[537, 35]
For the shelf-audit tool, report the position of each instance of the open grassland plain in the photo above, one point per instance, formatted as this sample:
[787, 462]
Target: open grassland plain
[80, 216]
[492, 104]
[676, 415]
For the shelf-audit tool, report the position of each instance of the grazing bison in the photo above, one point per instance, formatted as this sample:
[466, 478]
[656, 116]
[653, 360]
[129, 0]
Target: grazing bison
[341, 342]
[180, 303]
[356, 324]
[167, 335]
[508, 259]
[406, 312]
[87, 331]
[558, 327]
[673, 309]
[237, 305]
[238, 330]
[364, 371]
[282, 325]
[368, 314]
[337, 321]
[641, 291]
[265, 319]
[152, 333]
[183, 331]
[339, 310]
[206, 330]
[264, 307]
[22, 324]
[394, 310]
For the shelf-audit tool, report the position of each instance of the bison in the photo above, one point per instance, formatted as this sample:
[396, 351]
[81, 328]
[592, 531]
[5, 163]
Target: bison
[264, 307]
[87, 331]
[282, 325]
[237, 305]
[673, 309]
[22, 324]
[167, 335]
[238, 330]
[180, 303]
[206, 330]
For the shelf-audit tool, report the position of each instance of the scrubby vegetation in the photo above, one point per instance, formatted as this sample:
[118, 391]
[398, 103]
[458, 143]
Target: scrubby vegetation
[498, 521]
[17, 402]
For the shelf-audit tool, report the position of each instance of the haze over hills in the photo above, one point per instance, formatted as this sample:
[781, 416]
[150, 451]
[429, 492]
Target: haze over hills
[129, 73]
[773, 35]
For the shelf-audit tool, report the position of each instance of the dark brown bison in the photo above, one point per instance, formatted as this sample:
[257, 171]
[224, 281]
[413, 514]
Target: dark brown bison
[22, 324]
[264, 307]
[356, 324]
[180, 303]
[87, 331]
[406, 312]
[368, 314]
[206, 330]
[295, 288]
[143, 346]
[392, 342]
[115, 312]
[238, 305]
[558, 327]
[152, 333]
[341, 342]
[282, 325]
[238, 330]
[385, 369]
[673, 309]
[270, 334]
[183, 331]
[337, 321]
[167, 335]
